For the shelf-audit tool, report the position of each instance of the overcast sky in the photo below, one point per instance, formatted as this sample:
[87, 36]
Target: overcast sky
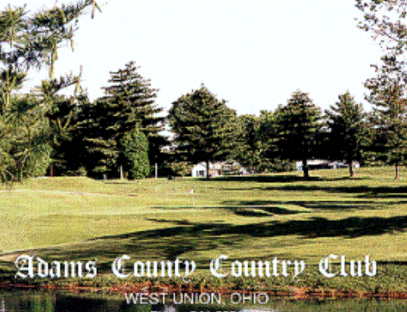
[253, 54]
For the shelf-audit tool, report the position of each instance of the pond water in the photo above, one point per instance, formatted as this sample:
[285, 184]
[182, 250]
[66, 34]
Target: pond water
[63, 302]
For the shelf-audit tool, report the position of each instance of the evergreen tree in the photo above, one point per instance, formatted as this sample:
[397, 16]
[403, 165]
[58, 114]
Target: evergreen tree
[130, 102]
[387, 95]
[31, 41]
[247, 149]
[268, 132]
[298, 126]
[385, 19]
[271, 159]
[68, 148]
[256, 143]
[346, 121]
[101, 148]
[25, 131]
[203, 127]
[134, 150]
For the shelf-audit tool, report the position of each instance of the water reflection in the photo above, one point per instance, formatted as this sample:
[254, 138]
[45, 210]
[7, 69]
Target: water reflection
[52, 302]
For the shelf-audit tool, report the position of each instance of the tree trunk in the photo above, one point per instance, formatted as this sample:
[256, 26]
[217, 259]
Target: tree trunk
[207, 169]
[351, 172]
[305, 168]
[397, 167]
[121, 172]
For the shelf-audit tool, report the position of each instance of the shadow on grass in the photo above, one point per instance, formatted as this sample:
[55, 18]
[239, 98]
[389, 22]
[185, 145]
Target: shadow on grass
[265, 178]
[369, 191]
[323, 205]
[347, 178]
[119, 182]
[398, 263]
[263, 211]
[282, 178]
[182, 237]
[257, 211]
[362, 191]
[351, 227]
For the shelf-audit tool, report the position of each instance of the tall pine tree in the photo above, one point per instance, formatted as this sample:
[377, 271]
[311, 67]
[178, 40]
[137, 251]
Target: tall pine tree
[127, 105]
[247, 149]
[69, 154]
[388, 96]
[346, 122]
[203, 127]
[101, 148]
[31, 41]
[298, 124]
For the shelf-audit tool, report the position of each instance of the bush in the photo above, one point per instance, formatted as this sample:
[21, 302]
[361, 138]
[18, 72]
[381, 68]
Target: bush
[134, 148]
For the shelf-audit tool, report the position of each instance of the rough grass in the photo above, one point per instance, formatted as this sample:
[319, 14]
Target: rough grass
[253, 217]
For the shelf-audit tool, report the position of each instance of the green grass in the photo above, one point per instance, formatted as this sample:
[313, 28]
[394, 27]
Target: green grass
[253, 217]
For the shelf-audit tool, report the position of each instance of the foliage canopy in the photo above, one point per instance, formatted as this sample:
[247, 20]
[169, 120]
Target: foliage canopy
[203, 126]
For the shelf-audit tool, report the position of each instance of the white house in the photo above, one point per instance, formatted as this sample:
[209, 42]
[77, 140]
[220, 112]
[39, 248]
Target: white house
[217, 169]
[199, 170]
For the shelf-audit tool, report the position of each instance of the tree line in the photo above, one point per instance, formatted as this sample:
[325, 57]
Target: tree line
[120, 135]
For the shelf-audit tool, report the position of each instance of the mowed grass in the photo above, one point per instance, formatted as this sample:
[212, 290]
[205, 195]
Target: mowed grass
[253, 217]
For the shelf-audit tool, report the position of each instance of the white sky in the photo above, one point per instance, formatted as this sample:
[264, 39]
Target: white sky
[254, 54]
